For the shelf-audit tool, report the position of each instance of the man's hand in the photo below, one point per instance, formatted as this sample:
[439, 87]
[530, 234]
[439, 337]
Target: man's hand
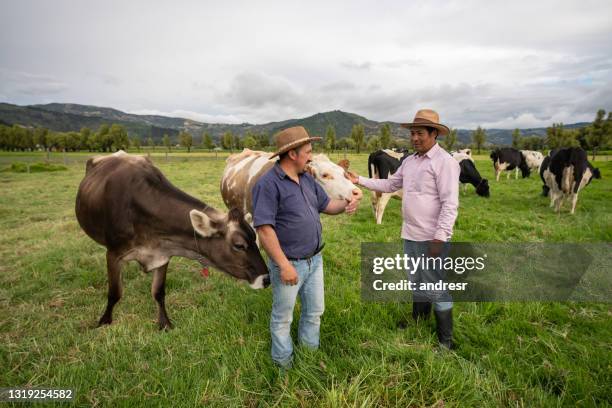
[352, 205]
[352, 176]
[288, 274]
[435, 247]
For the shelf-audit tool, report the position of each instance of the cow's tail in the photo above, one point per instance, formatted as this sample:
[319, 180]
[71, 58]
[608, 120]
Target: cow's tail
[370, 166]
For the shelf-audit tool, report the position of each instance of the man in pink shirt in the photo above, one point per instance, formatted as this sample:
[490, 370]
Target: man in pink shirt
[430, 182]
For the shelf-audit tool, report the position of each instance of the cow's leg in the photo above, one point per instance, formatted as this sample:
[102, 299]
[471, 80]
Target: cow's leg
[516, 173]
[558, 203]
[374, 201]
[497, 174]
[158, 291]
[115, 289]
[381, 205]
[574, 200]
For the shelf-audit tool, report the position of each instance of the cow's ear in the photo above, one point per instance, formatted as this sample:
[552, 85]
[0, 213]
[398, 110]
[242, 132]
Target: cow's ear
[203, 224]
[345, 164]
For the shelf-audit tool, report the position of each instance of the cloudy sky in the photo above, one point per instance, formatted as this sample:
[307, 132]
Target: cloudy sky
[495, 64]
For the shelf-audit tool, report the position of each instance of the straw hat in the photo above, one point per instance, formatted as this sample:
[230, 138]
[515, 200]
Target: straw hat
[427, 117]
[291, 138]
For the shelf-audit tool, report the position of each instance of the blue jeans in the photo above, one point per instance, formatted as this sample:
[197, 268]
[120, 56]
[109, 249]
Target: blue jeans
[441, 300]
[310, 289]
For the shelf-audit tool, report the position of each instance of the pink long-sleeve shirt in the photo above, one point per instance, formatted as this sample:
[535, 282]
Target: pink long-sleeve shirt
[431, 194]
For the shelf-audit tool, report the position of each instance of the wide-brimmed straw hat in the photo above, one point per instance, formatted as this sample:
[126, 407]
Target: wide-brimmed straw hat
[291, 138]
[430, 118]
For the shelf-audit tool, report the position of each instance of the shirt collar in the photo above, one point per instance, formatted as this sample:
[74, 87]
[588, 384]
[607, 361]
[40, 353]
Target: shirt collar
[279, 171]
[431, 152]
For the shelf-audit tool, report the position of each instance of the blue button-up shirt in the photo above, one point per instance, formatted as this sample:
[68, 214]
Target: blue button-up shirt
[292, 209]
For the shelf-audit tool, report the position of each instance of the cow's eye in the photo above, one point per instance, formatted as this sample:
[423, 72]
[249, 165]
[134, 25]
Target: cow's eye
[325, 175]
[240, 247]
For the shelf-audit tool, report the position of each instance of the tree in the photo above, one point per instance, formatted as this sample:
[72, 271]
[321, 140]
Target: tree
[41, 136]
[450, 140]
[330, 138]
[346, 143]
[385, 136]
[118, 137]
[207, 141]
[166, 142]
[237, 142]
[263, 140]
[102, 139]
[186, 140]
[358, 136]
[227, 141]
[556, 136]
[516, 138]
[374, 143]
[136, 142]
[249, 142]
[85, 139]
[150, 142]
[479, 136]
[596, 136]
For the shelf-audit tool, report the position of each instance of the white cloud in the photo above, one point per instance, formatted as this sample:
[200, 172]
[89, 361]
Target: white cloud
[476, 62]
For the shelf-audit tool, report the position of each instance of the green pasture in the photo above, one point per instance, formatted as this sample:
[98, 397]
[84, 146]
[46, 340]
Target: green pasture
[53, 290]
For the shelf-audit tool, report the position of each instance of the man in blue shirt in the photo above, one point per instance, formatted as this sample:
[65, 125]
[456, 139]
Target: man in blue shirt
[286, 205]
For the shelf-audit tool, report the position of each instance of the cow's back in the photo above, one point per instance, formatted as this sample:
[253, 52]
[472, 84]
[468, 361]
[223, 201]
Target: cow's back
[240, 176]
[104, 199]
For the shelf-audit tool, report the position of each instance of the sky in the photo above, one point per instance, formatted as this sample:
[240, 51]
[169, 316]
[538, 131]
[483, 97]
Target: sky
[494, 64]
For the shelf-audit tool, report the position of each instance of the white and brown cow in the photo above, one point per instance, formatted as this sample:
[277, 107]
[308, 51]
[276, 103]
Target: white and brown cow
[381, 165]
[565, 173]
[242, 170]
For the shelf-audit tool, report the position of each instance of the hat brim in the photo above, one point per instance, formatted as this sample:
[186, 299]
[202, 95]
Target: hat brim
[443, 130]
[295, 144]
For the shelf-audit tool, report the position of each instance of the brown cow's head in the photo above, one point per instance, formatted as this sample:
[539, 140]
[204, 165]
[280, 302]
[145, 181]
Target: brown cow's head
[229, 243]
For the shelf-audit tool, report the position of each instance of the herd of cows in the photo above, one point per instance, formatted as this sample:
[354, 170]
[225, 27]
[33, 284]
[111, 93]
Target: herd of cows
[127, 205]
[564, 172]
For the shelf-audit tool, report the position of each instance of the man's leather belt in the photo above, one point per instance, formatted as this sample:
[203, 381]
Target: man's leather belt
[309, 256]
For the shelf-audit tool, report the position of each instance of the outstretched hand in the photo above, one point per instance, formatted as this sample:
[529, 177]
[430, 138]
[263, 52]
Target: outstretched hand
[352, 176]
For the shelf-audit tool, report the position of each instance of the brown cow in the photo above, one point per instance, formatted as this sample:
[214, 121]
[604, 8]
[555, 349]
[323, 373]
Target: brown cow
[126, 204]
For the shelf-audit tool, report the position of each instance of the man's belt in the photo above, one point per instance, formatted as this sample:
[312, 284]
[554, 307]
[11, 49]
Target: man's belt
[309, 256]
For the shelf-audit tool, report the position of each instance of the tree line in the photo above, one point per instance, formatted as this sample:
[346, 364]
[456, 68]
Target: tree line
[594, 137]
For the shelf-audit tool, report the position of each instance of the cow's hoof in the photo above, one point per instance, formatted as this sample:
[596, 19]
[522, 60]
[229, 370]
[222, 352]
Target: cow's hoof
[165, 325]
[104, 321]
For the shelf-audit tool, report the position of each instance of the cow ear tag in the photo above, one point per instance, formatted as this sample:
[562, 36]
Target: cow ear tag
[205, 272]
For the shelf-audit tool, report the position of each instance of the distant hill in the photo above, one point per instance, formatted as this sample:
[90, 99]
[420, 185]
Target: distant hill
[72, 117]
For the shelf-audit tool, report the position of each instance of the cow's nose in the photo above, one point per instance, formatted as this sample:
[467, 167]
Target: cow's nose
[357, 193]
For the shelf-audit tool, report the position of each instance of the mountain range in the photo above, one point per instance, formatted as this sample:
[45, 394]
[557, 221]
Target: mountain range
[65, 117]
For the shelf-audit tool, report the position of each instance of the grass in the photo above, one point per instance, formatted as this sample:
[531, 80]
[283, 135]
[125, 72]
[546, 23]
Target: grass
[53, 290]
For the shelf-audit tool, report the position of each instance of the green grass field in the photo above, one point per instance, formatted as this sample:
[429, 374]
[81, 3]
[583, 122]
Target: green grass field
[53, 290]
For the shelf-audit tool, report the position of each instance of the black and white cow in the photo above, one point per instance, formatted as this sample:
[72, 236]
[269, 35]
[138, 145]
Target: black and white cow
[533, 158]
[469, 174]
[382, 164]
[565, 173]
[509, 158]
